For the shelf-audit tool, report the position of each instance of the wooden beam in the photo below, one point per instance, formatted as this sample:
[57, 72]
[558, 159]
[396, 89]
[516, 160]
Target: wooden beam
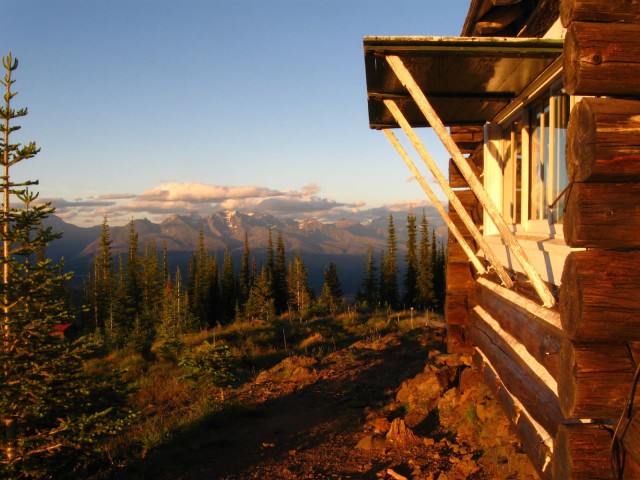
[523, 380]
[599, 11]
[582, 451]
[435, 202]
[498, 19]
[542, 340]
[535, 440]
[448, 191]
[600, 296]
[432, 117]
[602, 215]
[602, 59]
[603, 141]
[594, 379]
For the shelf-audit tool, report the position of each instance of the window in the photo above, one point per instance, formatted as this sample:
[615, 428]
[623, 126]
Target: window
[548, 175]
[532, 160]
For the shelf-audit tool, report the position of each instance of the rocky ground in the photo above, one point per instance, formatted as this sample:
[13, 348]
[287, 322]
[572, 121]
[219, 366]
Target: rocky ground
[387, 408]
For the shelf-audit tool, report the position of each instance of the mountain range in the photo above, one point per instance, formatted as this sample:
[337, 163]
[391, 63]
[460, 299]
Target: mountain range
[344, 242]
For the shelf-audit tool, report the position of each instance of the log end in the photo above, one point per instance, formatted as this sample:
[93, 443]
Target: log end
[570, 303]
[581, 137]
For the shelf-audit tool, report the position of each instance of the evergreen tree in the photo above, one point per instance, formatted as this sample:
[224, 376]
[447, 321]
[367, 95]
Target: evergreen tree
[300, 298]
[176, 318]
[426, 293]
[50, 410]
[389, 273]
[227, 288]
[438, 266]
[246, 278]
[260, 304]
[279, 277]
[103, 281]
[411, 259]
[204, 285]
[368, 295]
[440, 275]
[330, 299]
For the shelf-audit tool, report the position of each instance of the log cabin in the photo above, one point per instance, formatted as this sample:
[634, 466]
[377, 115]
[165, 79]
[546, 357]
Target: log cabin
[538, 104]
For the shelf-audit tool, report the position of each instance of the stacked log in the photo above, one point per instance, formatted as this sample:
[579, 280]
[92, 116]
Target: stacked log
[599, 294]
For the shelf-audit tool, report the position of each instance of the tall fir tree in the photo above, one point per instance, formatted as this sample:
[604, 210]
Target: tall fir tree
[246, 277]
[227, 289]
[330, 299]
[103, 281]
[389, 293]
[411, 274]
[368, 293]
[261, 305]
[279, 277]
[426, 293]
[299, 295]
[50, 409]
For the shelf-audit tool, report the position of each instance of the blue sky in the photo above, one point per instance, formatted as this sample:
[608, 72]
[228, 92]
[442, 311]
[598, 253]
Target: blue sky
[144, 108]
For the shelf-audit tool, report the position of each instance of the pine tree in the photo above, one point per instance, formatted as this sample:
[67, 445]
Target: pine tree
[260, 304]
[103, 281]
[330, 299]
[300, 298]
[438, 266]
[246, 278]
[411, 259]
[279, 277]
[389, 273]
[426, 293]
[368, 295]
[227, 289]
[49, 409]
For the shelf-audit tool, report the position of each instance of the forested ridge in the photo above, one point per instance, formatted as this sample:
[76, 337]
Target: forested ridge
[149, 349]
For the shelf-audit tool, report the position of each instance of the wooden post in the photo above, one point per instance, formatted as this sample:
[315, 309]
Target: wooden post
[582, 451]
[600, 296]
[603, 141]
[595, 379]
[448, 191]
[432, 117]
[599, 11]
[602, 59]
[435, 202]
[602, 215]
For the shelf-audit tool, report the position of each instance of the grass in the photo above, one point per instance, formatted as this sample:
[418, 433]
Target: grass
[170, 406]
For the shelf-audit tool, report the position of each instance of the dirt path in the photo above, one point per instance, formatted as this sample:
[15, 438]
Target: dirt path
[327, 419]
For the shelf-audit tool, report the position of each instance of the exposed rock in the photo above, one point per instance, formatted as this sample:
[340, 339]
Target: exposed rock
[422, 393]
[400, 434]
[294, 369]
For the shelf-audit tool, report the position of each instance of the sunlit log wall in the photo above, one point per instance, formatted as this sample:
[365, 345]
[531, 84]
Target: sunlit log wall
[600, 291]
[565, 376]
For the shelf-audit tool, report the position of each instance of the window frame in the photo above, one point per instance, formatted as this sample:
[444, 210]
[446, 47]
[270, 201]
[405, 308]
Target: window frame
[499, 171]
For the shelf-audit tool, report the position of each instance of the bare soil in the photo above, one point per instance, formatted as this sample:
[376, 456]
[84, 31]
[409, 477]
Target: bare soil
[353, 414]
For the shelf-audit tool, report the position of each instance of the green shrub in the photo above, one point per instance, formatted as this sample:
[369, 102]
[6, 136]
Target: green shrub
[209, 364]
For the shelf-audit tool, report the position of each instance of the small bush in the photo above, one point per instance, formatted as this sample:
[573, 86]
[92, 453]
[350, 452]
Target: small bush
[209, 364]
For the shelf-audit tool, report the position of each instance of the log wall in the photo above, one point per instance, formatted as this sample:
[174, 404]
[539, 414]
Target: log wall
[600, 289]
[566, 377]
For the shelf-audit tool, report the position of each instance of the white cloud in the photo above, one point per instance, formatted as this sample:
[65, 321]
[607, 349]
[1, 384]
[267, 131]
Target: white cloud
[186, 198]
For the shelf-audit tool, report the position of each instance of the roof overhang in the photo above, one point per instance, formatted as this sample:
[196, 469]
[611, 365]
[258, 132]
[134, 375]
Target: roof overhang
[468, 80]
